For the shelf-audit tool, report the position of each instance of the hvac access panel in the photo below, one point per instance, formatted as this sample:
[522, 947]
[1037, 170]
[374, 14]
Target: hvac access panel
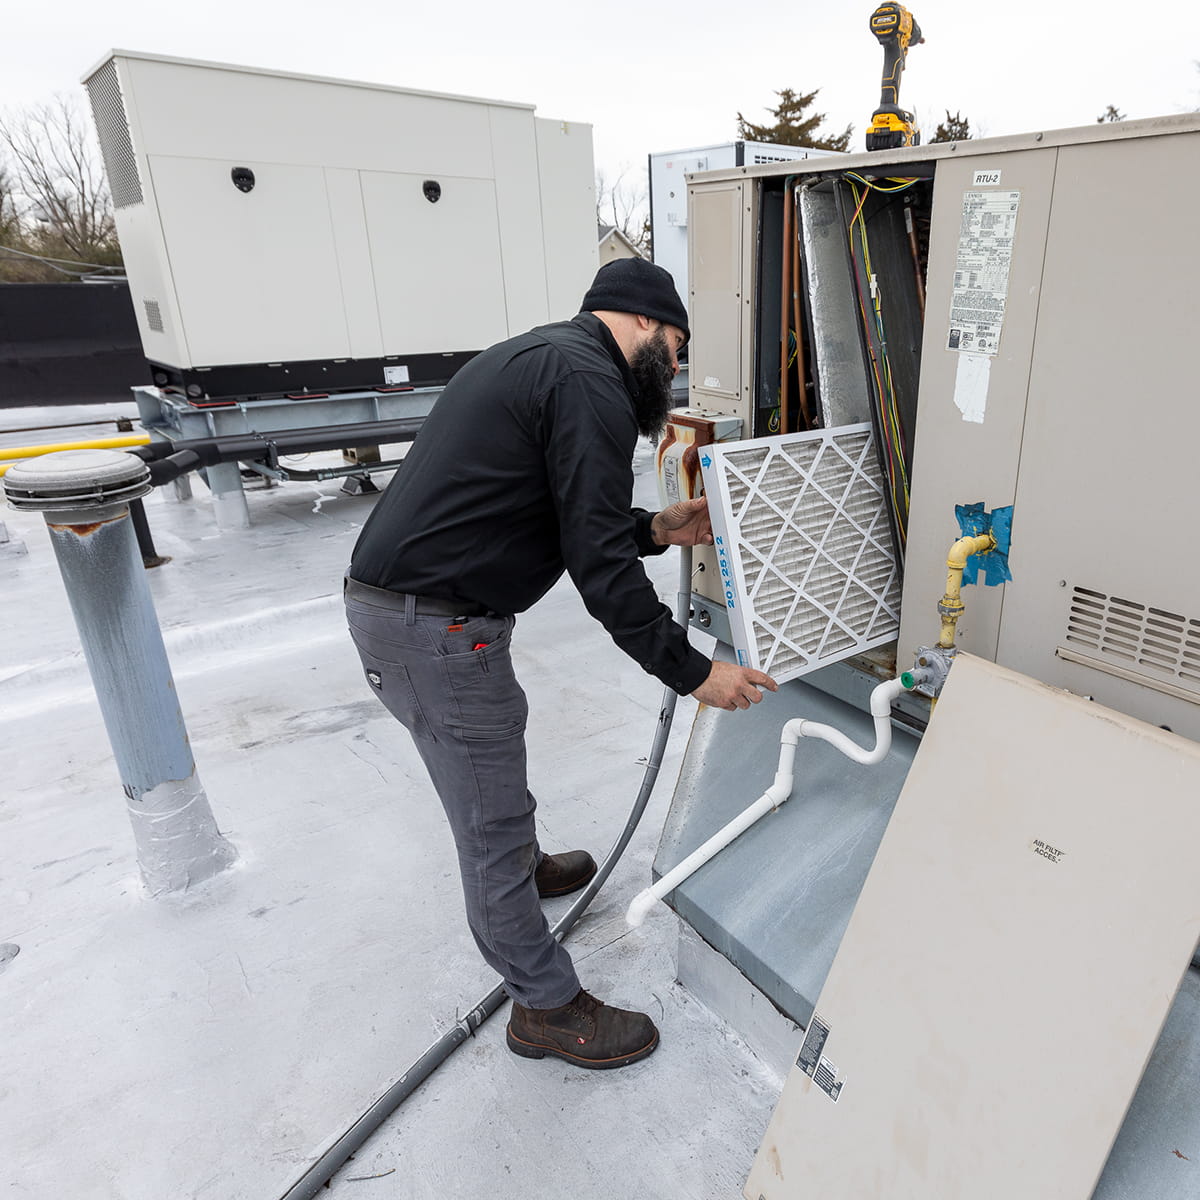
[1011, 959]
[245, 241]
[718, 254]
[969, 430]
[1105, 598]
[1083, 419]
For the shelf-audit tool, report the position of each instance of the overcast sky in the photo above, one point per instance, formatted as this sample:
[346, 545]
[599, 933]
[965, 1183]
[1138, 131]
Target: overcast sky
[652, 77]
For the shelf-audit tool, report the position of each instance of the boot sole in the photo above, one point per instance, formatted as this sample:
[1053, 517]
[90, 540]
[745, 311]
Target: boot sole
[566, 891]
[530, 1050]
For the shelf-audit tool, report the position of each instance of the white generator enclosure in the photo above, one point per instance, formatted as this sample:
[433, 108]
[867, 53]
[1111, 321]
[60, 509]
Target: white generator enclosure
[287, 233]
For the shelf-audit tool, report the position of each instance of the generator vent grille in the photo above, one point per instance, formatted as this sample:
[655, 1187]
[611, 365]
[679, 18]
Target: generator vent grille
[810, 575]
[154, 315]
[112, 128]
[758, 157]
[1139, 635]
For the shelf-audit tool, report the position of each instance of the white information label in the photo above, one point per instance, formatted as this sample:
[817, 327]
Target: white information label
[395, 375]
[986, 179]
[985, 241]
[971, 386]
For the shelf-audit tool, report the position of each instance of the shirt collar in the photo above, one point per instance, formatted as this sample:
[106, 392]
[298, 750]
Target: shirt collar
[602, 333]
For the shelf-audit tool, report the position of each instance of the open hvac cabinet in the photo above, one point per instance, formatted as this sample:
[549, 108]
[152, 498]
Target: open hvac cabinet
[1015, 327]
[1011, 321]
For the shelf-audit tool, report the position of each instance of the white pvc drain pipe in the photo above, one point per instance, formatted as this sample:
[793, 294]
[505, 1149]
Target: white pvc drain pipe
[779, 791]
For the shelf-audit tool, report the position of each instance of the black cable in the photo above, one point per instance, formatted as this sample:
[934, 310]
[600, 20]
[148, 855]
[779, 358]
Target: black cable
[335, 1157]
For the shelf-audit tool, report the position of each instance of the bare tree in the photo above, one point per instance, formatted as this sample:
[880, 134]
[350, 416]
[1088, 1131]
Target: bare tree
[10, 225]
[56, 174]
[622, 202]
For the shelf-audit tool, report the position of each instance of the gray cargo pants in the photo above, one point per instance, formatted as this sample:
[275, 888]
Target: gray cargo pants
[466, 713]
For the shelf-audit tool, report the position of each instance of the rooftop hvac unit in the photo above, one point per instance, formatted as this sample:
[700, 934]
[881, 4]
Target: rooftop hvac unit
[1015, 363]
[286, 232]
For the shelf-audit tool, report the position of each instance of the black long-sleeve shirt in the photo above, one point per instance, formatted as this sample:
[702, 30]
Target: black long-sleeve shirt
[524, 468]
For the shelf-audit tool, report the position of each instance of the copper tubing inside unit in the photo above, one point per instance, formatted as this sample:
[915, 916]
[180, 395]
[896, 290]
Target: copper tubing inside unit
[784, 309]
[796, 314]
[910, 225]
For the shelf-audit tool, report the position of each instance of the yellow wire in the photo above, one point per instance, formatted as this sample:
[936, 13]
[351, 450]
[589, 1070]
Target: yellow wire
[901, 183]
[887, 394]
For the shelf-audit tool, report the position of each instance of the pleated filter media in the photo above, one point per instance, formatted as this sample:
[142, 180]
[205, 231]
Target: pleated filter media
[807, 563]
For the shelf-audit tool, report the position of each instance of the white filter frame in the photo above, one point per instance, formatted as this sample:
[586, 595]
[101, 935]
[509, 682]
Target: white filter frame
[808, 566]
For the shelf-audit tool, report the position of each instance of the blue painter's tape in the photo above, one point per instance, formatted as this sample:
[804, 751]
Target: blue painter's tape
[973, 521]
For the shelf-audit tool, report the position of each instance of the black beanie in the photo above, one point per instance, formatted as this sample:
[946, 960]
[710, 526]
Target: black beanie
[634, 285]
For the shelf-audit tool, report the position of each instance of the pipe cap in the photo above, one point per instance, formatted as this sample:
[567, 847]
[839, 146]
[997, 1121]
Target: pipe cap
[76, 480]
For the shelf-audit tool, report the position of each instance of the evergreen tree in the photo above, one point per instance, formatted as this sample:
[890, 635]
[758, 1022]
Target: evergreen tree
[794, 125]
[954, 128]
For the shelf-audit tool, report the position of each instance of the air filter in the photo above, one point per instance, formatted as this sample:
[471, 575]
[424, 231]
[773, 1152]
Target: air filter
[807, 563]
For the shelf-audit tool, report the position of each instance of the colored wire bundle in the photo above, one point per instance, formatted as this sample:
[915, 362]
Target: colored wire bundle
[898, 185]
[870, 307]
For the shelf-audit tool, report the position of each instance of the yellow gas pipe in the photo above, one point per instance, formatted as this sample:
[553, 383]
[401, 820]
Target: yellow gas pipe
[951, 605]
[114, 443]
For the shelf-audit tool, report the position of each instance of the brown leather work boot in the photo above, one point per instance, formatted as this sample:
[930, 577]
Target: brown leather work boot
[561, 874]
[585, 1032]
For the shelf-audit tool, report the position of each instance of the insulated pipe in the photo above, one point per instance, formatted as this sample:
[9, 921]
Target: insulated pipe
[231, 447]
[951, 606]
[145, 538]
[315, 1178]
[802, 396]
[916, 257]
[779, 791]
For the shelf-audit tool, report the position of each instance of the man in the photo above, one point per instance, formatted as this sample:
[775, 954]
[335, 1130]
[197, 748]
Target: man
[524, 469]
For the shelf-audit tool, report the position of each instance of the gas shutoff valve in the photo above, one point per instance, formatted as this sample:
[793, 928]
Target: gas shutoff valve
[933, 662]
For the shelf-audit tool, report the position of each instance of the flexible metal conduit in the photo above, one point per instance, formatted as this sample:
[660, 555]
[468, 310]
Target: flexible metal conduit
[324, 1168]
[781, 789]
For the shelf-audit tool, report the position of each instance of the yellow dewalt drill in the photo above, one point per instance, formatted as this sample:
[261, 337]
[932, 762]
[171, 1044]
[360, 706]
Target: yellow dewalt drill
[891, 125]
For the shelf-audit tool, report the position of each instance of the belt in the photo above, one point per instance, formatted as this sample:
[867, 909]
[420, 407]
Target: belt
[424, 606]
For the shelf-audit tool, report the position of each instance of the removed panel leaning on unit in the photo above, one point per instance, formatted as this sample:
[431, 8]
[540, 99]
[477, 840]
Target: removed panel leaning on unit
[803, 545]
[1009, 964]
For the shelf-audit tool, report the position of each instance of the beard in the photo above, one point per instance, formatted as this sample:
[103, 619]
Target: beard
[652, 372]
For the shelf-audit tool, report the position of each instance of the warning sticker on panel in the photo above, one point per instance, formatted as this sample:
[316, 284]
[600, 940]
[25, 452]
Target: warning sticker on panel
[815, 1037]
[826, 1078]
[813, 1063]
[985, 241]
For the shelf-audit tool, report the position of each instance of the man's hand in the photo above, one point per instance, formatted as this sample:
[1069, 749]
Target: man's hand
[731, 687]
[683, 524]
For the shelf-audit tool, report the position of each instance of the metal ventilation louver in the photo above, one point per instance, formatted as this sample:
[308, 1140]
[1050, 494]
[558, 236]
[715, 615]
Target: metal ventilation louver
[154, 315]
[1138, 636]
[804, 548]
[112, 128]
